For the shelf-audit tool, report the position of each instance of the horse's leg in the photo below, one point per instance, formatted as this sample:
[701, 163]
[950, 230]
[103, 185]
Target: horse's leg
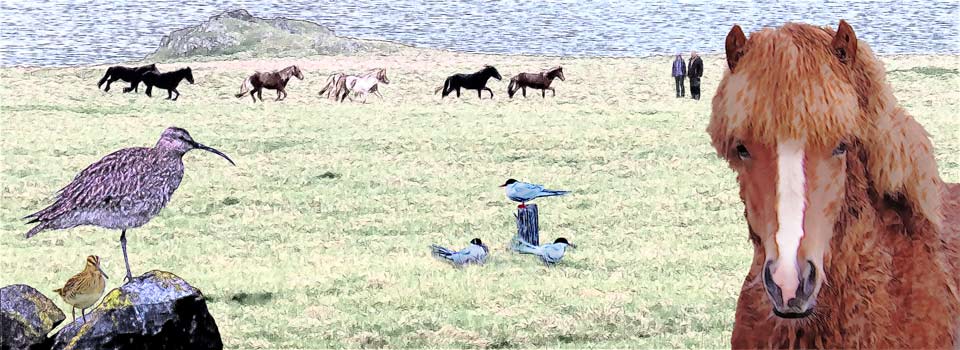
[107, 88]
[480, 93]
[458, 92]
[491, 91]
[278, 95]
[554, 91]
[178, 94]
[133, 85]
[254, 97]
[524, 91]
[375, 92]
[543, 92]
[169, 94]
[260, 94]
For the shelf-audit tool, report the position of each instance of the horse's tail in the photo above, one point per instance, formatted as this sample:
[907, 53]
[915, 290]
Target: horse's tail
[331, 81]
[244, 88]
[341, 89]
[512, 87]
[105, 77]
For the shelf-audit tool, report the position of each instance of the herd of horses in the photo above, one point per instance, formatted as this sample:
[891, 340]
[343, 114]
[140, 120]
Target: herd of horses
[339, 86]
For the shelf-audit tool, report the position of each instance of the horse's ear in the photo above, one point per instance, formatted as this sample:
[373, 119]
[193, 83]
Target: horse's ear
[844, 43]
[736, 41]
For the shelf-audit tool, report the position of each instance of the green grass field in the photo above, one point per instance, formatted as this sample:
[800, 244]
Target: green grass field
[319, 237]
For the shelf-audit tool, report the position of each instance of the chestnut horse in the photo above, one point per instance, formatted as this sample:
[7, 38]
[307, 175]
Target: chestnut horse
[275, 80]
[540, 81]
[856, 238]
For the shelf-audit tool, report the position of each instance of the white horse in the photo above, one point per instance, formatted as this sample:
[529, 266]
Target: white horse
[361, 85]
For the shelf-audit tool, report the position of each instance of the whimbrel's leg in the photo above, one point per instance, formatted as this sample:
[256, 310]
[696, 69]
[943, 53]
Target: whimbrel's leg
[126, 261]
[83, 313]
[73, 311]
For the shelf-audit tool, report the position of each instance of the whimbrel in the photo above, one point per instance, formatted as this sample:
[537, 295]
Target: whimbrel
[123, 190]
[84, 289]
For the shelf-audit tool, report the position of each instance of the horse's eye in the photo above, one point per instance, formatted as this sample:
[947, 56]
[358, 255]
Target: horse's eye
[742, 152]
[840, 150]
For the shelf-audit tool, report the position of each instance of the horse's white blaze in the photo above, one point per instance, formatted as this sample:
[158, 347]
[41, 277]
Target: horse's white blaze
[791, 201]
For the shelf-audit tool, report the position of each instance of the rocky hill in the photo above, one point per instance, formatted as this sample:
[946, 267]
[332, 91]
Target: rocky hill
[239, 34]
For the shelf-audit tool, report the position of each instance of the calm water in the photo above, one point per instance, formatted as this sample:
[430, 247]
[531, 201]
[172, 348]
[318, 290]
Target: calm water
[88, 32]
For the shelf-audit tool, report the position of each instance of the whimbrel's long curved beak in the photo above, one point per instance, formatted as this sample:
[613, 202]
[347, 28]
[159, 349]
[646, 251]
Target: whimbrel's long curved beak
[104, 273]
[215, 151]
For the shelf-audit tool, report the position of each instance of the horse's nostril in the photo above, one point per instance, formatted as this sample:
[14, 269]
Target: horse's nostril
[772, 288]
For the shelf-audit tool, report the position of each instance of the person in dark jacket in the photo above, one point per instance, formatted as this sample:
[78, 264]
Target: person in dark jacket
[679, 71]
[695, 72]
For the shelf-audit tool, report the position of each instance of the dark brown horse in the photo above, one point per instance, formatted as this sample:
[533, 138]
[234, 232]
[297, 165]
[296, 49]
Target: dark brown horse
[275, 80]
[540, 81]
[128, 74]
[472, 81]
[168, 81]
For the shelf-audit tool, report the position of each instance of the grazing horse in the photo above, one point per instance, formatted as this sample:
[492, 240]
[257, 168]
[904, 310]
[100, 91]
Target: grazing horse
[362, 85]
[275, 80]
[856, 238]
[127, 74]
[167, 80]
[540, 81]
[473, 81]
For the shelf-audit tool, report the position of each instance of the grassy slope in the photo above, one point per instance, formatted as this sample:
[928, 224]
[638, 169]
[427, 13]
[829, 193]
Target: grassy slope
[319, 237]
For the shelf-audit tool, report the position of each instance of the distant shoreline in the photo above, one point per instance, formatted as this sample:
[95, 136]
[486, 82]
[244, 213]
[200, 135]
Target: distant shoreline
[212, 59]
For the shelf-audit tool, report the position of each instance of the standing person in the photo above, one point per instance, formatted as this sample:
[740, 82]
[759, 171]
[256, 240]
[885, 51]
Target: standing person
[679, 71]
[695, 72]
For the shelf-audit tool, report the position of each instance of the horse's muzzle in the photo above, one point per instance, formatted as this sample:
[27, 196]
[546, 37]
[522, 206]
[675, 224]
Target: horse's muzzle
[801, 305]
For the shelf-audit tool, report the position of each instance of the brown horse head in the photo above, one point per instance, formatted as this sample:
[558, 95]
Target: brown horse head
[555, 72]
[382, 76]
[297, 73]
[805, 119]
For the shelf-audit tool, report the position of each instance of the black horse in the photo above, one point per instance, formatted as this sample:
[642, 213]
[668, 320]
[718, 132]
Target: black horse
[474, 81]
[167, 80]
[131, 75]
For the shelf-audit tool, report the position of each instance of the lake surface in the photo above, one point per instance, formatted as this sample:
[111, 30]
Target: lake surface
[57, 33]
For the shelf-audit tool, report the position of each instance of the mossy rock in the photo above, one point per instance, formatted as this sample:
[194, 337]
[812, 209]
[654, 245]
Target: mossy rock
[157, 310]
[26, 316]
[238, 34]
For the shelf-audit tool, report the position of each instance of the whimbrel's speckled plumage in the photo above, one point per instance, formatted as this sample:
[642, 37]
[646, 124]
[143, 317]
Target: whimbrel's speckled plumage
[123, 190]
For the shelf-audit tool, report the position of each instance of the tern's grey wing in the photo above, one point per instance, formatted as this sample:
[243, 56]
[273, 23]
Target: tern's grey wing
[553, 253]
[477, 254]
[526, 190]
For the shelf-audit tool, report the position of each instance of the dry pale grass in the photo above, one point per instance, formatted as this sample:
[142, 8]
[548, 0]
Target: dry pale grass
[318, 238]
